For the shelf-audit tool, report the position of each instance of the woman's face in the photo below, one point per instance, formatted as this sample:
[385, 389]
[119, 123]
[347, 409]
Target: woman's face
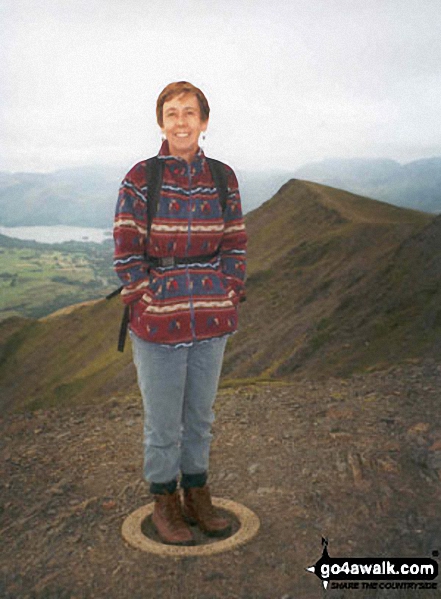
[182, 125]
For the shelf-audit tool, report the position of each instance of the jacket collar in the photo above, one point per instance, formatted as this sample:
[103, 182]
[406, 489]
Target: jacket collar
[196, 163]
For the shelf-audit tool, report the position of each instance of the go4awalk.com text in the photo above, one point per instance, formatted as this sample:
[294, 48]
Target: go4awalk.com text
[417, 573]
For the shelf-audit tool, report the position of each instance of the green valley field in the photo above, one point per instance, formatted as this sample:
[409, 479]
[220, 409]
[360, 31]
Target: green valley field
[37, 279]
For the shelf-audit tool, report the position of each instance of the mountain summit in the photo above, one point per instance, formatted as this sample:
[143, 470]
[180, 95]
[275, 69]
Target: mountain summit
[413, 185]
[337, 282]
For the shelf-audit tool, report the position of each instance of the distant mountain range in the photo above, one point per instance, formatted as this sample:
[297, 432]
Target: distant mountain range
[87, 196]
[83, 197]
[337, 284]
[414, 185]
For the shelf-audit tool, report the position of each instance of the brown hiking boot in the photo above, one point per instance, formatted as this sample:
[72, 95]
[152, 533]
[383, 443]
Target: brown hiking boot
[199, 510]
[168, 520]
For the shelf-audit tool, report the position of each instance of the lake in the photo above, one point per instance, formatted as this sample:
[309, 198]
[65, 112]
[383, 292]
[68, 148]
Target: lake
[57, 233]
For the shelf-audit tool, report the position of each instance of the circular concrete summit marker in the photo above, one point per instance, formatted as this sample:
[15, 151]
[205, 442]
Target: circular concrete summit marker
[136, 530]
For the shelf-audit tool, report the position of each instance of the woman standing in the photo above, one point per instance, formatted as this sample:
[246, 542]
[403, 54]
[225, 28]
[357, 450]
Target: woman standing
[183, 278]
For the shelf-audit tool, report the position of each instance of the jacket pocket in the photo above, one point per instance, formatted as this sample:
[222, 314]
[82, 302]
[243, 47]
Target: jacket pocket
[153, 292]
[229, 291]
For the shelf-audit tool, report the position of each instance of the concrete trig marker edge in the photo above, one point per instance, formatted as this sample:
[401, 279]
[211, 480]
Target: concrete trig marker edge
[249, 526]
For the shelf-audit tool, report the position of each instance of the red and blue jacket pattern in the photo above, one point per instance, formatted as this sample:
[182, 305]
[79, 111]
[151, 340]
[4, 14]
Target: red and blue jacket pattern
[189, 302]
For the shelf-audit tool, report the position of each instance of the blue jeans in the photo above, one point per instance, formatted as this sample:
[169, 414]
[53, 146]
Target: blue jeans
[178, 388]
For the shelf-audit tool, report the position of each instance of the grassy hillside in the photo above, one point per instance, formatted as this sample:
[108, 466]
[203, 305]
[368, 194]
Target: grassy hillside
[67, 357]
[337, 283]
[328, 285]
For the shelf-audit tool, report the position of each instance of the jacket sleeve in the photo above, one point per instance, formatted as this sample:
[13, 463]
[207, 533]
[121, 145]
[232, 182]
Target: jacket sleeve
[234, 242]
[130, 235]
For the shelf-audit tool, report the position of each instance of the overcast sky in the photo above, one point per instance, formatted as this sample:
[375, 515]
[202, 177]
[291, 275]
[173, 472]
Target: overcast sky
[288, 81]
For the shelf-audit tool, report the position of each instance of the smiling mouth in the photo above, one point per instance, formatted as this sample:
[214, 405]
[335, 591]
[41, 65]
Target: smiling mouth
[182, 134]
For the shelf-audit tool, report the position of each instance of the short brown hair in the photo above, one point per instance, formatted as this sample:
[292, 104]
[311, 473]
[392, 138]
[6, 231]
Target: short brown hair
[176, 89]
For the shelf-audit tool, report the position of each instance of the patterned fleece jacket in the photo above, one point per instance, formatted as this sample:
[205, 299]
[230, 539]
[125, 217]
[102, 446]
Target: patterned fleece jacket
[186, 302]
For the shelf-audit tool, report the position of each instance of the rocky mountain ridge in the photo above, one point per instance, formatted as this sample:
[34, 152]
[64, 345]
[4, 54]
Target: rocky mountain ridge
[337, 284]
[414, 185]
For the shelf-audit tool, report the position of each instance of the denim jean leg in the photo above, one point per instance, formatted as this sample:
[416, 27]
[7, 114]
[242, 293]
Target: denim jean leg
[203, 372]
[161, 377]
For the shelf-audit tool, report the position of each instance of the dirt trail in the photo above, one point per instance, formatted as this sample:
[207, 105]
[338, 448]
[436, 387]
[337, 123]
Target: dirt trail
[357, 461]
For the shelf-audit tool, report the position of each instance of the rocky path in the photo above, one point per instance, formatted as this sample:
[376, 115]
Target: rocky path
[357, 461]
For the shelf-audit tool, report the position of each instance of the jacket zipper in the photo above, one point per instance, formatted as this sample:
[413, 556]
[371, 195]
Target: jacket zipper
[190, 290]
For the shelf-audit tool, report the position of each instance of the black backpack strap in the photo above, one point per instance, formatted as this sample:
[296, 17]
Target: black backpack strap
[154, 171]
[219, 174]
[114, 292]
[124, 321]
[123, 328]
